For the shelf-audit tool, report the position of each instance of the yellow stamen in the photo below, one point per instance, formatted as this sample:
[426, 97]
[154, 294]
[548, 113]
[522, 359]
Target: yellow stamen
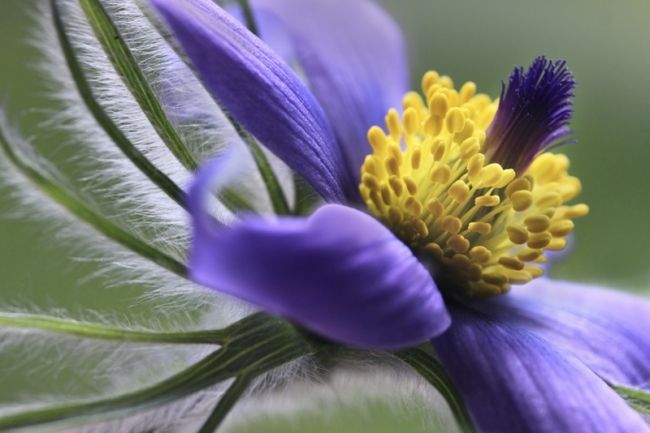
[428, 179]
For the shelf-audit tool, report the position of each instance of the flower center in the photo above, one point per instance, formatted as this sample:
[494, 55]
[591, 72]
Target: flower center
[483, 226]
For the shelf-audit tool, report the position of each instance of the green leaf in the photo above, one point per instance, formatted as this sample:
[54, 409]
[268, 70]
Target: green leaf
[252, 346]
[638, 399]
[433, 372]
[103, 332]
[80, 209]
[103, 119]
[278, 200]
[126, 65]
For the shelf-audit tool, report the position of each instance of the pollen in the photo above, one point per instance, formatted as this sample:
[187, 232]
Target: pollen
[483, 226]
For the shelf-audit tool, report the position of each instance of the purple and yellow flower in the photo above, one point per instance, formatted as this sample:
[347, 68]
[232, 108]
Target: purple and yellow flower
[429, 222]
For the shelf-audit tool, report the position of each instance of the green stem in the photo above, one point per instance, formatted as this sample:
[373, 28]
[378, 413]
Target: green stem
[255, 345]
[102, 332]
[81, 210]
[104, 120]
[226, 403]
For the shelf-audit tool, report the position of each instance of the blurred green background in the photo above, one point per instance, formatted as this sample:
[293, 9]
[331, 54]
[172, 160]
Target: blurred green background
[606, 46]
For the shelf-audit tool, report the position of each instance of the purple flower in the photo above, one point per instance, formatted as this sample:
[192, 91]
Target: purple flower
[449, 208]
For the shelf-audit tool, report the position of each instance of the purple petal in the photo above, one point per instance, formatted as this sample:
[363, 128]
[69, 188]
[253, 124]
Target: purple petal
[605, 329]
[339, 273]
[514, 381]
[261, 92]
[353, 56]
[533, 115]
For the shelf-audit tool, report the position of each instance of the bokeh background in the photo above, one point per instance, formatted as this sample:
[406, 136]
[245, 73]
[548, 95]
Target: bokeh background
[606, 46]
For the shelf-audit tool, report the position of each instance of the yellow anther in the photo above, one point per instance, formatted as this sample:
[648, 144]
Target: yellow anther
[434, 250]
[441, 174]
[411, 121]
[467, 91]
[411, 186]
[451, 224]
[395, 215]
[576, 211]
[489, 175]
[458, 243]
[537, 223]
[439, 148]
[416, 158]
[511, 263]
[370, 181]
[487, 200]
[469, 148]
[455, 120]
[413, 100]
[428, 80]
[377, 139]
[396, 185]
[519, 184]
[435, 208]
[421, 228]
[375, 199]
[551, 199]
[561, 227]
[467, 131]
[459, 191]
[480, 227]
[392, 166]
[521, 200]
[475, 165]
[495, 278]
[370, 165]
[431, 181]
[461, 261]
[539, 240]
[556, 244]
[534, 271]
[506, 177]
[518, 277]
[480, 254]
[446, 82]
[528, 255]
[517, 235]
[414, 206]
[438, 105]
[393, 124]
[433, 125]
[385, 194]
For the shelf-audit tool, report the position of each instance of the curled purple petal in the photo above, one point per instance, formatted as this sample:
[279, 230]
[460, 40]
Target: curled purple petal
[261, 92]
[605, 329]
[534, 111]
[339, 273]
[514, 381]
[353, 56]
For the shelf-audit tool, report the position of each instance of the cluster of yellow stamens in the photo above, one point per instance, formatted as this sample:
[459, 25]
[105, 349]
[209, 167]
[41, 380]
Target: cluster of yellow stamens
[483, 226]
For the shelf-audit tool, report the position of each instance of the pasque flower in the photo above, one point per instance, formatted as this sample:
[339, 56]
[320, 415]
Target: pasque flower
[429, 222]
